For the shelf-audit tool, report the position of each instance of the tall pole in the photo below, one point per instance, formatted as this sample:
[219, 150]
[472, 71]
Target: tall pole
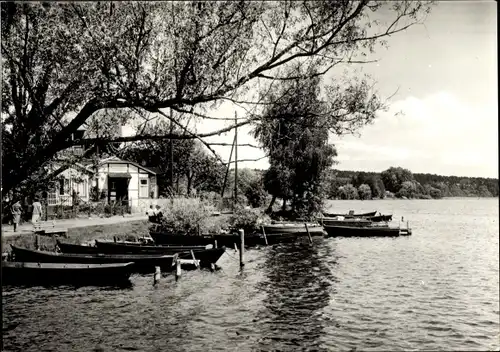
[227, 170]
[171, 152]
[235, 160]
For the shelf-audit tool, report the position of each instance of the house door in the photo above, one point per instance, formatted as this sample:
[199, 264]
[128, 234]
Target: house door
[118, 189]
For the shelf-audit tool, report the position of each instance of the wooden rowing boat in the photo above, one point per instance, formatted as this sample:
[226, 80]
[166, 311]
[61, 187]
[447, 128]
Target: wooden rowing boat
[142, 262]
[295, 228]
[365, 231]
[124, 248]
[350, 215]
[30, 273]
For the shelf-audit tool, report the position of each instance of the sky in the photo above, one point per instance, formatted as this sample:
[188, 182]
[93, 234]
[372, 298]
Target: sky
[444, 117]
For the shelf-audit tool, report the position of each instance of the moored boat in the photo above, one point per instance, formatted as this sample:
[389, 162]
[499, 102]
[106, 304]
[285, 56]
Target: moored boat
[379, 218]
[350, 214]
[314, 229]
[357, 222]
[365, 231]
[31, 273]
[162, 238]
[142, 262]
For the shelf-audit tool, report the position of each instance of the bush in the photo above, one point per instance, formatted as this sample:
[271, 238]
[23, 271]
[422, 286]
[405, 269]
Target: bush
[213, 198]
[256, 194]
[185, 216]
[247, 219]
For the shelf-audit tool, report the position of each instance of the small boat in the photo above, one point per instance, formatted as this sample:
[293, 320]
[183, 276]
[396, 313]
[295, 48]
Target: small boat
[76, 248]
[356, 222]
[142, 262]
[296, 228]
[379, 218]
[206, 255]
[162, 238]
[365, 231]
[124, 248]
[350, 214]
[29, 273]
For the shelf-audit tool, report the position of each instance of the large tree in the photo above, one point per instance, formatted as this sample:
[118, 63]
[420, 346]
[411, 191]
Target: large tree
[294, 132]
[64, 62]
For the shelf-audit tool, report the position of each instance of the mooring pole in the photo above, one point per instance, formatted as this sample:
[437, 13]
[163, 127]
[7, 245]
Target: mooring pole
[157, 275]
[242, 247]
[308, 234]
[227, 170]
[178, 270]
[37, 242]
[235, 161]
[264, 233]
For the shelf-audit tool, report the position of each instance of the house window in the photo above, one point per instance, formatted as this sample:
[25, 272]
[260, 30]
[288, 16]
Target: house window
[143, 189]
[64, 186]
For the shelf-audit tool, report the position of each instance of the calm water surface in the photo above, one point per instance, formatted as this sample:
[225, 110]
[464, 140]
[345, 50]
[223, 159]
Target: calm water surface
[435, 290]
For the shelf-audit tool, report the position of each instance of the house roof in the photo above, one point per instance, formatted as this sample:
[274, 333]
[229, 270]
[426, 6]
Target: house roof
[116, 160]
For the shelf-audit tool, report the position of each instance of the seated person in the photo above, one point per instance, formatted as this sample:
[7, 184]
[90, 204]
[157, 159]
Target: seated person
[159, 213]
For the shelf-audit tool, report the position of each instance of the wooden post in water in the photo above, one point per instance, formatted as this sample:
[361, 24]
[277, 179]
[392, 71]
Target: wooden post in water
[157, 275]
[194, 259]
[114, 239]
[308, 234]
[264, 233]
[178, 270]
[242, 247]
[215, 243]
[212, 267]
[37, 242]
[235, 247]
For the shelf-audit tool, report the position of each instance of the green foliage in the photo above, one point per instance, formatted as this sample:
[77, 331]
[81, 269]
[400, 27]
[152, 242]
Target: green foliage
[247, 219]
[394, 177]
[435, 193]
[364, 191]
[256, 193]
[185, 216]
[348, 192]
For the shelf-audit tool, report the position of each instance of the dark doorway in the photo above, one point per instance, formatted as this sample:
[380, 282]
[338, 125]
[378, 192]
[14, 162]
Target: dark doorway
[118, 188]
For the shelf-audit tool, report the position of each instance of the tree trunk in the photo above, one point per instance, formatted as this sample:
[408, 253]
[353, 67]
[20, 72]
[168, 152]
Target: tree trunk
[189, 184]
[283, 207]
[270, 207]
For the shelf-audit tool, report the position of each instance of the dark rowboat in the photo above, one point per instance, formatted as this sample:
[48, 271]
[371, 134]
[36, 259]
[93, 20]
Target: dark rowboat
[332, 215]
[379, 218]
[367, 231]
[142, 262]
[127, 248]
[76, 248]
[346, 222]
[161, 238]
[206, 256]
[64, 273]
[295, 228]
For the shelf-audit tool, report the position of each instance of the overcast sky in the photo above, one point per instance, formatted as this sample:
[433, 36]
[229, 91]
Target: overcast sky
[445, 75]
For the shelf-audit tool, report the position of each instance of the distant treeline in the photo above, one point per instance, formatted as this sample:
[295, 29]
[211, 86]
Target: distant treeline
[402, 183]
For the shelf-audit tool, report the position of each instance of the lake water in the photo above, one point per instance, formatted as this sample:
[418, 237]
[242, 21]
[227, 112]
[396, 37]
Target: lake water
[435, 290]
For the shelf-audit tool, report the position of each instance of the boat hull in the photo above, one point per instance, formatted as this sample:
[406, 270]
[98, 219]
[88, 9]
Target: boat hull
[314, 229]
[369, 231]
[347, 216]
[161, 238]
[142, 263]
[27, 273]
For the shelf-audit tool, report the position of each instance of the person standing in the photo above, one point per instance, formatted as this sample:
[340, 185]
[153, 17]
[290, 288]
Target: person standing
[16, 214]
[37, 211]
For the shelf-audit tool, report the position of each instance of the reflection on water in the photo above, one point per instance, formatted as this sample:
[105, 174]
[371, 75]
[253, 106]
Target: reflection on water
[435, 290]
[298, 286]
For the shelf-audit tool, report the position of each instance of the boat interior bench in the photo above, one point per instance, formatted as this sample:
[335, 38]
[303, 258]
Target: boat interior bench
[49, 228]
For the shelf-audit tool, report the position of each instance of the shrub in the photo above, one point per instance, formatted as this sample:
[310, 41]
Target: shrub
[247, 219]
[213, 198]
[185, 216]
[256, 194]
